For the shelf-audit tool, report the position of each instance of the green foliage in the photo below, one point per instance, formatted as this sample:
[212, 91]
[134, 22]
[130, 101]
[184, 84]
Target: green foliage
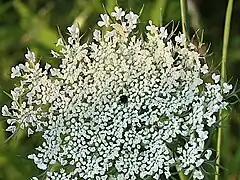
[33, 24]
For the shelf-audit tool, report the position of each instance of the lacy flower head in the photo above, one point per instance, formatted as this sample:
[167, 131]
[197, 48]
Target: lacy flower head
[123, 106]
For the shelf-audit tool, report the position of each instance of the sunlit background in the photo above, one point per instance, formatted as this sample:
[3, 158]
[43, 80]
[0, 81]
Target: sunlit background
[34, 24]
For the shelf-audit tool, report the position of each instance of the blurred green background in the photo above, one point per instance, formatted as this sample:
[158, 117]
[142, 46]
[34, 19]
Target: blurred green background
[33, 24]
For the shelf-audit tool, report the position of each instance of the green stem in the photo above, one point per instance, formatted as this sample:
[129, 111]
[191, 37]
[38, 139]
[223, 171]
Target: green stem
[184, 10]
[161, 17]
[223, 78]
[182, 176]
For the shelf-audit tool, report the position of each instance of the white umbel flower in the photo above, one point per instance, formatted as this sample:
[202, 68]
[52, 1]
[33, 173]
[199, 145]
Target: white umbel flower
[119, 107]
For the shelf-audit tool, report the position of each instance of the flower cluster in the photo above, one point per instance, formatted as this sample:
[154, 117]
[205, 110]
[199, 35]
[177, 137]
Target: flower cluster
[119, 107]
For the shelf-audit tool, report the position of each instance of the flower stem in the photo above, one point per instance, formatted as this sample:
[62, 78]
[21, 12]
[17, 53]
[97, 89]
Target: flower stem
[223, 77]
[182, 176]
[184, 10]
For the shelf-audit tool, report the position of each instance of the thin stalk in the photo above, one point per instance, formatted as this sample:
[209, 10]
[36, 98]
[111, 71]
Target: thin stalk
[182, 176]
[223, 78]
[184, 10]
[161, 17]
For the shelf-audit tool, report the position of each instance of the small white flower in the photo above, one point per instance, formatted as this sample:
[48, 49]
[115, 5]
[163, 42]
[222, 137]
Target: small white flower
[219, 97]
[208, 154]
[5, 111]
[97, 35]
[24, 67]
[34, 178]
[198, 174]
[54, 71]
[11, 129]
[163, 32]
[55, 54]
[47, 66]
[197, 82]
[191, 46]
[199, 162]
[204, 69]
[30, 131]
[109, 35]
[105, 20]
[131, 18]
[42, 166]
[15, 72]
[216, 78]
[30, 56]
[11, 121]
[31, 156]
[227, 87]
[73, 30]
[180, 39]
[118, 13]
[60, 42]
[211, 121]
[153, 29]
